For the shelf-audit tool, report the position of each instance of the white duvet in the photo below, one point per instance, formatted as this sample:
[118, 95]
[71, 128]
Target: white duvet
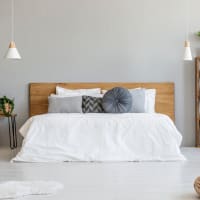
[99, 137]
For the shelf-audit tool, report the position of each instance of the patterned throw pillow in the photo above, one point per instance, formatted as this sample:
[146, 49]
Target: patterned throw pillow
[92, 104]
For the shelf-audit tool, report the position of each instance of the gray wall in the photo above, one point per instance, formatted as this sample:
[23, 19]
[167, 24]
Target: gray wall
[99, 40]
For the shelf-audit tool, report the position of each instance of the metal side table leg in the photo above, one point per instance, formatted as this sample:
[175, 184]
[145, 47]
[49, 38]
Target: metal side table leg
[12, 132]
[10, 138]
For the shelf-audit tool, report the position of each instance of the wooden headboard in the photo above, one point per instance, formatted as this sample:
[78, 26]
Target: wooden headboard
[39, 93]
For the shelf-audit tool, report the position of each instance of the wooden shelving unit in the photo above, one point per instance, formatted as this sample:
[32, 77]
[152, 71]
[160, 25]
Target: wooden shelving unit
[197, 100]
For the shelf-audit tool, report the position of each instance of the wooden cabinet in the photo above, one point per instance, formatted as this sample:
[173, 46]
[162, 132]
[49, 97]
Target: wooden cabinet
[197, 98]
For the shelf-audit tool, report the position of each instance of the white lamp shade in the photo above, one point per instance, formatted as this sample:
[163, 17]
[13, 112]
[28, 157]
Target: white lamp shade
[13, 52]
[187, 54]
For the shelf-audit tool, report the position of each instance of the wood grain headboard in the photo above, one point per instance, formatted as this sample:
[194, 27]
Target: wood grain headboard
[39, 93]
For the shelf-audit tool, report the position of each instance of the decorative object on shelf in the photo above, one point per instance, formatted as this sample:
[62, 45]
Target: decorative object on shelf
[6, 106]
[197, 185]
[12, 50]
[187, 54]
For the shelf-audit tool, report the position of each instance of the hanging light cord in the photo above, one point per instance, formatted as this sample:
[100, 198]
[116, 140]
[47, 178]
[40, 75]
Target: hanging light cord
[12, 20]
[187, 19]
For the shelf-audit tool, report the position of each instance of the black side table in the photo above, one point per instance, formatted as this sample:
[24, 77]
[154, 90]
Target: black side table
[12, 130]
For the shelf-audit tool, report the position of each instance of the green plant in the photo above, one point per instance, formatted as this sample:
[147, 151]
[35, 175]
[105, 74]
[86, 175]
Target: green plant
[6, 105]
[198, 33]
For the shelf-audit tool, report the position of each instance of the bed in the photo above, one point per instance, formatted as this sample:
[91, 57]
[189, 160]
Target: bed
[100, 137]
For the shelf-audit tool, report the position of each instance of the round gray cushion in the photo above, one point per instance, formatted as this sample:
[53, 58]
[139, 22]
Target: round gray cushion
[117, 100]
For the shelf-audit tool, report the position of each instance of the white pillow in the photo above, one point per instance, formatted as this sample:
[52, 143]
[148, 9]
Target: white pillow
[67, 95]
[64, 91]
[75, 95]
[150, 100]
[103, 91]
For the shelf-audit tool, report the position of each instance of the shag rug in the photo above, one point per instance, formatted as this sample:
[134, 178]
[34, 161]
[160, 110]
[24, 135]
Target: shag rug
[16, 189]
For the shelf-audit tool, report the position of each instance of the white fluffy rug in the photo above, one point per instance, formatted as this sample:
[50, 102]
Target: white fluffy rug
[16, 189]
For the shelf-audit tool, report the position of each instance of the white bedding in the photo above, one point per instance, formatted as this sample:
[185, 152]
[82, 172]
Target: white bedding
[100, 137]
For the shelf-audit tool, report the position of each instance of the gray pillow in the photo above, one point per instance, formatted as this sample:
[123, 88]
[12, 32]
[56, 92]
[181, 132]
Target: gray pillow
[65, 104]
[117, 100]
[138, 100]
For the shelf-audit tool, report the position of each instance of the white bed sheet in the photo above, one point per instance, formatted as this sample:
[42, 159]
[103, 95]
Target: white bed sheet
[100, 137]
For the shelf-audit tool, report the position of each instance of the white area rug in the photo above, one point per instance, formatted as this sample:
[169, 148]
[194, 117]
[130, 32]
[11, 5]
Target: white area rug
[16, 189]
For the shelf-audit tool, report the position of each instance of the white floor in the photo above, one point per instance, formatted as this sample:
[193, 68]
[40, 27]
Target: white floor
[111, 181]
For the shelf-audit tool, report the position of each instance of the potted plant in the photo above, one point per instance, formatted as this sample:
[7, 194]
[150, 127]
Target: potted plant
[198, 33]
[6, 106]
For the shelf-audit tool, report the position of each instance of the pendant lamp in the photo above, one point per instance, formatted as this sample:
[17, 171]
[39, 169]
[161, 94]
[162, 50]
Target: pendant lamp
[12, 52]
[187, 54]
